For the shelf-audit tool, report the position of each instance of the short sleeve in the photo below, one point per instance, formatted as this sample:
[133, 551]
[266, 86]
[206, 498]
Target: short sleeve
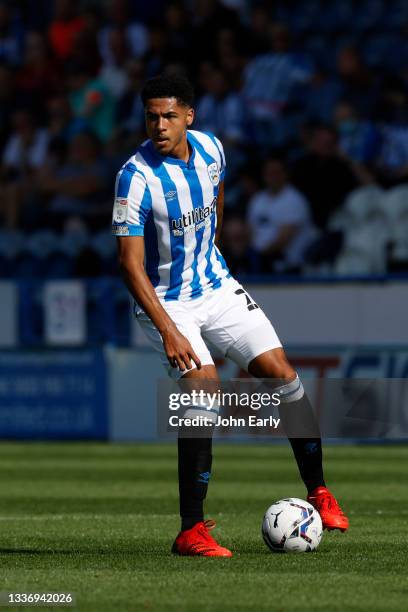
[132, 202]
[220, 148]
[219, 154]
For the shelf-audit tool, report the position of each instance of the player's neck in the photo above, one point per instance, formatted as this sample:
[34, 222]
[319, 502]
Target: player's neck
[181, 151]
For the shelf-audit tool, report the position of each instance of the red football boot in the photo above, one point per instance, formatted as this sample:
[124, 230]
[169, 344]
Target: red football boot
[198, 542]
[326, 504]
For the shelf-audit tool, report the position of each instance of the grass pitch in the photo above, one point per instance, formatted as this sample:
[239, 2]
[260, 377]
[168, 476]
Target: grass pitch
[98, 520]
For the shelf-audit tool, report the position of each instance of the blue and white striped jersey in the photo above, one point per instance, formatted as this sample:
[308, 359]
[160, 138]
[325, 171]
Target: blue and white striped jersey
[172, 204]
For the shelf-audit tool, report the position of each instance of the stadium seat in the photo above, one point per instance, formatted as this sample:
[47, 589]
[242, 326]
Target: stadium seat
[11, 248]
[340, 221]
[396, 13]
[368, 15]
[123, 315]
[396, 207]
[42, 243]
[322, 51]
[335, 16]
[73, 241]
[353, 263]
[104, 244]
[31, 312]
[302, 19]
[11, 243]
[58, 265]
[365, 246]
[399, 240]
[394, 203]
[36, 257]
[365, 204]
[380, 50]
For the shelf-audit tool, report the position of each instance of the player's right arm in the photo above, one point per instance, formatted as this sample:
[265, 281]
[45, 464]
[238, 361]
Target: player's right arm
[131, 261]
[133, 204]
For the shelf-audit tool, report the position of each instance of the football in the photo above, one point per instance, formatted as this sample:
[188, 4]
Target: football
[292, 525]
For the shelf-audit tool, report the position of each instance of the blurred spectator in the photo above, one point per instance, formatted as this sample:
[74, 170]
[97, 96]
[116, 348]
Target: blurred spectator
[209, 16]
[321, 97]
[358, 85]
[85, 43]
[135, 34]
[392, 163]
[90, 100]
[7, 104]
[229, 56]
[178, 31]
[280, 222]
[241, 190]
[79, 65]
[156, 58]
[113, 73]
[10, 37]
[130, 111]
[269, 82]
[36, 14]
[322, 175]
[64, 28]
[62, 126]
[258, 38]
[359, 141]
[240, 256]
[23, 155]
[26, 148]
[78, 186]
[37, 78]
[220, 110]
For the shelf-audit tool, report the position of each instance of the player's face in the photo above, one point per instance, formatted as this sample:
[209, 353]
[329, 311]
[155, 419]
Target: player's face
[166, 124]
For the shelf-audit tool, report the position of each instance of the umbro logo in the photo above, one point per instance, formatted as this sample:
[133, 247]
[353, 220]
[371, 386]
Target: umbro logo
[170, 195]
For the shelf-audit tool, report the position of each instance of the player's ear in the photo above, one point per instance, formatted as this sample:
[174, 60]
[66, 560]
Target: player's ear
[190, 116]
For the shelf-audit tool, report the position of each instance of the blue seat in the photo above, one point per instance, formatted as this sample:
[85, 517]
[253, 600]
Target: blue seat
[303, 18]
[334, 17]
[58, 265]
[378, 48]
[123, 314]
[395, 14]
[28, 266]
[101, 310]
[31, 313]
[368, 15]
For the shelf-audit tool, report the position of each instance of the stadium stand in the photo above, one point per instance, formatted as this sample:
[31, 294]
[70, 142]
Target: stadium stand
[286, 74]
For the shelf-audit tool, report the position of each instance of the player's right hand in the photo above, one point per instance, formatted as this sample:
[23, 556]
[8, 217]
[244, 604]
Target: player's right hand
[179, 351]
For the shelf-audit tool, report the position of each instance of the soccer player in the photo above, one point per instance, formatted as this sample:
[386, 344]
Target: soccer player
[167, 216]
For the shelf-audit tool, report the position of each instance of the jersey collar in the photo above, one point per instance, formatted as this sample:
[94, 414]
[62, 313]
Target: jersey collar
[174, 160]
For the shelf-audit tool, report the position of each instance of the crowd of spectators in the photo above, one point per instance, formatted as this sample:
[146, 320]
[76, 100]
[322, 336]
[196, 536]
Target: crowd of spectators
[309, 98]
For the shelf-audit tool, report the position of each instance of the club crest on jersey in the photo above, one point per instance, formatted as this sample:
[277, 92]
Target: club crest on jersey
[213, 173]
[120, 210]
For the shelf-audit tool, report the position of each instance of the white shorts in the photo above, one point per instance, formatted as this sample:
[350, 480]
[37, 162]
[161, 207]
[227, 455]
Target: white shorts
[226, 318]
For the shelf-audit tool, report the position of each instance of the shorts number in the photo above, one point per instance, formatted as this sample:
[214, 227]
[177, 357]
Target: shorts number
[250, 303]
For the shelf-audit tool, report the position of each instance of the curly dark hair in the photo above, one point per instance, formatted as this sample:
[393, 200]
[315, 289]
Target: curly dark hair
[166, 86]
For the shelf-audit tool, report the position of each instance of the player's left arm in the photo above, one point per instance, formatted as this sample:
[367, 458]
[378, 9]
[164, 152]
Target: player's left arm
[220, 212]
